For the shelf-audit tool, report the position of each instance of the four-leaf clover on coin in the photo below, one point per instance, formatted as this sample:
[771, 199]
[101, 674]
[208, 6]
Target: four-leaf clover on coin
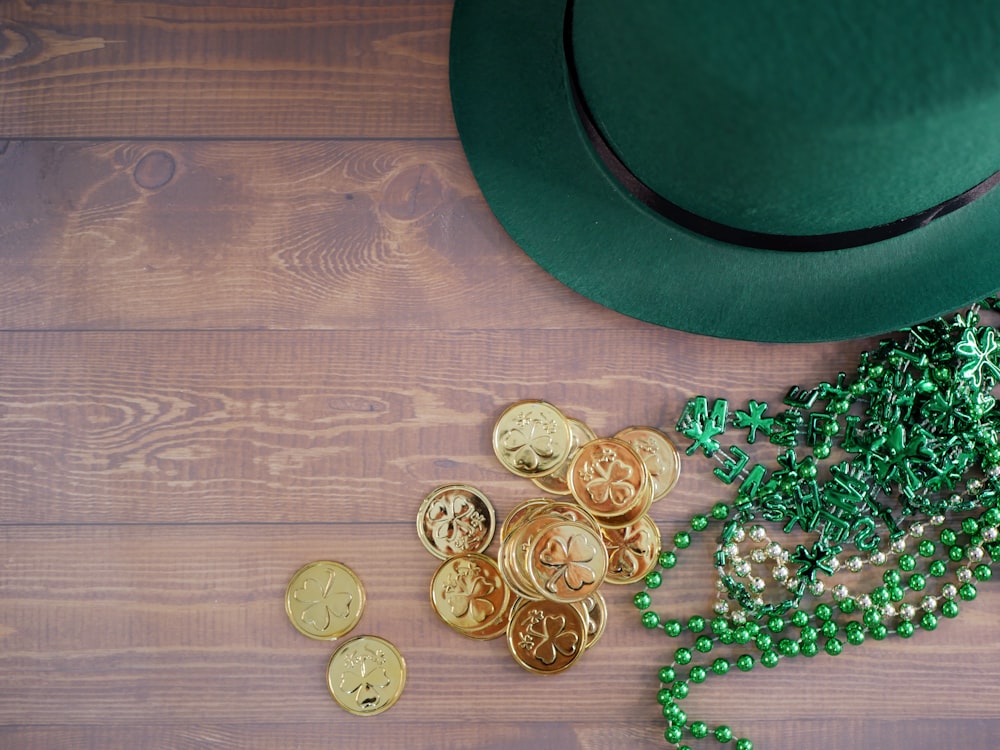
[322, 603]
[455, 523]
[626, 548]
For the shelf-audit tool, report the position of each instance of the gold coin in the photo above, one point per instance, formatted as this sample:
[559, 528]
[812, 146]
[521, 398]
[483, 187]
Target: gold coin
[468, 593]
[595, 617]
[555, 482]
[531, 438]
[455, 519]
[633, 550]
[546, 637]
[567, 561]
[366, 675]
[658, 452]
[517, 549]
[608, 478]
[324, 600]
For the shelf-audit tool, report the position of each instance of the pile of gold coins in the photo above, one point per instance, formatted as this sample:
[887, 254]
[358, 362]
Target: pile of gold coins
[325, 600]
[542, 591]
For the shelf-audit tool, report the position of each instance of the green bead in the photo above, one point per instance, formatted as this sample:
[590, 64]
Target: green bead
[763, 641]
[856, 637]
[821, 450]
[848, 606]
[938, 568]
[726, 637]
[674, 735]
[745, 663]
[650, 619]
[703, 644]
[809, 633]
[682, 656]
[776, 624]
[880, 596]
[744, 744]
[808, 648]
[664, 698]
[947, 537]
[926, 548]
[970, 526]
[723, 733]
[679, 719]
[956, 553]
[699, 522]
[929, 621]
[907, 562]
[991, 517]
[753, 629]
[667, 674]
[905, 629]
[788, 647]
[891, 577]
[680, 690]
[682, 540]
[720, 511]
[642, 600]
[800, 618]
[917, 582]
[698, 674]
[769, 659]
[667, 560]
[879, 632]
[699, 730]
[696, 624]
[829, 629]
[672, 628]
[967, 592]
[671, 710]
[833, 647]
[741, 635]
[720, 666]
[982, 572]
[871, 618]
[950, 609]
[720, 625]
[653, 579]
[824, 611]
[896, 593]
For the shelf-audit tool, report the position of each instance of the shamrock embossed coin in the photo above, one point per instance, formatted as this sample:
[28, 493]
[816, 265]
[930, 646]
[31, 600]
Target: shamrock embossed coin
[366, 675]
[455, 519]
[324, 600]
[532, 438]
[547, 637]
[658, 452]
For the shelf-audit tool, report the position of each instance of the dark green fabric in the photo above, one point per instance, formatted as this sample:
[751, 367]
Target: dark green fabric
[542, 180]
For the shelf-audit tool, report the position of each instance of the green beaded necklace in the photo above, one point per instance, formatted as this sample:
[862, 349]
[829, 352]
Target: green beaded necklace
[914, 497]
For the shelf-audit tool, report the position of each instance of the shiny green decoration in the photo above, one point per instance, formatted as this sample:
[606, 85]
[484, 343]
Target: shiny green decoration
[913, 494]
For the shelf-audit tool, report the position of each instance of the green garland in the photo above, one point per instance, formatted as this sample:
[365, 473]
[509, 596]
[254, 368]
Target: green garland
[914, 496]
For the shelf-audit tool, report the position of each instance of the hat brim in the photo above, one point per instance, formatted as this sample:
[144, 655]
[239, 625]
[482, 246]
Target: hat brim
[541, 177]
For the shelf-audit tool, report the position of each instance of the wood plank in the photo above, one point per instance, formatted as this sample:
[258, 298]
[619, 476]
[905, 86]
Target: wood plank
[136, 69]
[263, 426]
[360, 235]
[179, 631]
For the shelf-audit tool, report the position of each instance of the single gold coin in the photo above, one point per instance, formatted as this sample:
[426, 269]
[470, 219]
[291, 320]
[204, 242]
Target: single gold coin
[531, 438]
[555, 483]
[608, 478]
[633, 550]
[324, 600]
[567, 561]
[468, 593]
[658, 452]
[366, 675]
[547, 637]
[455, 519]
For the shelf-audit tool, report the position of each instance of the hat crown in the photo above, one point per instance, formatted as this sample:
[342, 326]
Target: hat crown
[796, 118]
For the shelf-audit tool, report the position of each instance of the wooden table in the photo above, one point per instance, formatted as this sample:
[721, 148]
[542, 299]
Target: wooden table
[252, 309]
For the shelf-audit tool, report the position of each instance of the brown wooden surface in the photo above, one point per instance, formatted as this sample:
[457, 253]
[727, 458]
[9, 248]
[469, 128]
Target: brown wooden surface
[252, 309]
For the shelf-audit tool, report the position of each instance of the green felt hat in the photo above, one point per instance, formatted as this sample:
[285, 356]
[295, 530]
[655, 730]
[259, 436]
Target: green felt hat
[771, 170]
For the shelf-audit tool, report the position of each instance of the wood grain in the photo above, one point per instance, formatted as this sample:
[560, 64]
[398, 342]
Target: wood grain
[136, 69]
[252, 309]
